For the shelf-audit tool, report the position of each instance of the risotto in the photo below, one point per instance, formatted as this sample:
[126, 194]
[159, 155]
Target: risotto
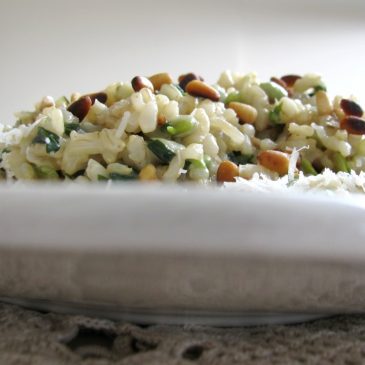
[156, 128]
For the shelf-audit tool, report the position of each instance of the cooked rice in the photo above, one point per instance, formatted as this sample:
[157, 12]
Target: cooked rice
[187, 137]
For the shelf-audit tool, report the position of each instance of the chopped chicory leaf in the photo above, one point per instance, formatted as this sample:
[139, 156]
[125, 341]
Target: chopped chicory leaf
[164, 149]
[239, 159]
[50, 139]
[69, 127]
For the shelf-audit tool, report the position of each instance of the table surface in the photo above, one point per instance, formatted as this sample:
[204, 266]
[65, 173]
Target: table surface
[30, 337]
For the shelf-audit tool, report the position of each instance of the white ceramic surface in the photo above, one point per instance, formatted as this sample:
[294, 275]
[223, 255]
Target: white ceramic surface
[137, 252]
[58, 47]
[145, 251]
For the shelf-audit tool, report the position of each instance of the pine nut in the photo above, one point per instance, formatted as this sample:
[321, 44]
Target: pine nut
[283, 84]
[160, 79]
[140, 82]
[351, 108]
[324, 106]
[200, 88]
[246, 113]
[185, 79]
[353, 125]
[148, 173]
[290, 79]
[100, 96]
[280, 82]
[227, 171]
[80, 107]
[275, 161]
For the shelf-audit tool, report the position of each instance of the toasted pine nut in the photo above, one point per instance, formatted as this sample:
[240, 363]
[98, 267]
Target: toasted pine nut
[351, 108]
[290, 79]
[227, 171]
[185, 79]
[200, 88]
[80, 107]
[353, 125]
[160, 79]
[161, 120]
[283, 84]
[246, 113]
[280, 82]
[148, 173]
[140, 82]
[100, 96]
[324, 106]
[275, 161]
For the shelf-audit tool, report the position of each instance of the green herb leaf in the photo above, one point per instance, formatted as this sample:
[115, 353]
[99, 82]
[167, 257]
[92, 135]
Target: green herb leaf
[317, 88]
[50, 139]
[69, 127]
[6, 150]
[164, 149]
[239, 159]
[119, 177]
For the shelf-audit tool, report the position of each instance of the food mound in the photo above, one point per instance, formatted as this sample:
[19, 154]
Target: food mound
[157, 128]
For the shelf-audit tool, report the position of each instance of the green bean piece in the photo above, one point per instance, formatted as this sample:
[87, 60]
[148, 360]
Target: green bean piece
[198, 170]
[340, 163]
[102, 178]
[275, 115]
[273, 90]
[307, 167]
[46, 172]
[181, 126]
[234, 96]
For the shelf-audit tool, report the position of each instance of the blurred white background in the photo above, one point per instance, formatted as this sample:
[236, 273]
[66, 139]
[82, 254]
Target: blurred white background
[57, 47]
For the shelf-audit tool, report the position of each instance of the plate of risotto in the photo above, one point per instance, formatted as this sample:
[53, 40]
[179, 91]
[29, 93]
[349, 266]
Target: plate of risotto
[176, 200]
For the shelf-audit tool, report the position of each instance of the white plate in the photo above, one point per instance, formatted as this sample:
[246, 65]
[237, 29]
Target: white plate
[177, 254]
